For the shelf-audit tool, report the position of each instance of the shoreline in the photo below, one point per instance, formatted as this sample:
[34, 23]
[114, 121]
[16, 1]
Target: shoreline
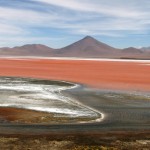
[75, 58]
[39, 113]
[105, 103]
[91, 99]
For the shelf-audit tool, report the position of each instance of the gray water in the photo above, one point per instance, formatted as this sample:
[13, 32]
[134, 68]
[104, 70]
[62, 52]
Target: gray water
[120, 108]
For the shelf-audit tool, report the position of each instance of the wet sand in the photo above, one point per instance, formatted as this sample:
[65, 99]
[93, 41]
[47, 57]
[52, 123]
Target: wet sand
[9, 115]
[13, 116]
[125, 75]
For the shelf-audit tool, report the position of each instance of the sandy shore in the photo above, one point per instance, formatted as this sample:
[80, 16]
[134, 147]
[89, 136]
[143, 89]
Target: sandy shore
[10, 115]
[105, 74]
[23, 116]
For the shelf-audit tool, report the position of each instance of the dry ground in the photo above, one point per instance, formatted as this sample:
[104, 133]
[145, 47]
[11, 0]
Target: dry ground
[72, 142]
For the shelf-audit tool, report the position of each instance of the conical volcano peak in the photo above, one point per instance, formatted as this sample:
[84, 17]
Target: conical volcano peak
[89, 38]
[88, 47]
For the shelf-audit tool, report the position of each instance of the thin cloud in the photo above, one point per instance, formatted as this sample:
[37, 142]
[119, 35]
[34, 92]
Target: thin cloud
[111, 8]
[56, 18]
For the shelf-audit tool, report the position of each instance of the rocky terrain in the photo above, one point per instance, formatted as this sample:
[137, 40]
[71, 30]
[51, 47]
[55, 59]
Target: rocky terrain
[74, 142]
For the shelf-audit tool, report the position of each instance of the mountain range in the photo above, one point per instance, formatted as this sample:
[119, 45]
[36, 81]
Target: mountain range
[87, 47]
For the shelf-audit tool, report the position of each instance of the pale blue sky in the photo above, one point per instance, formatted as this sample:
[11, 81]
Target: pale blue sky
[57, 23]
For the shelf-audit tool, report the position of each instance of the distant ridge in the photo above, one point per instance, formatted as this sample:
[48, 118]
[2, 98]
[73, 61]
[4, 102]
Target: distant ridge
[88, 47]
[145, 48]
[27, 50]
[132, 50]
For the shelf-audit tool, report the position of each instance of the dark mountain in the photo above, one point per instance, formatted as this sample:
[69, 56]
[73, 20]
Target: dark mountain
[87, 47]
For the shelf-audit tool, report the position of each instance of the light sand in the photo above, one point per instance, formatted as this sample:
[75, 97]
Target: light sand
[126, 75]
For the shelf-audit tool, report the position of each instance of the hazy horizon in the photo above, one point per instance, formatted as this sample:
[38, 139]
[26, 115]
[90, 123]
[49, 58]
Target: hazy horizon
[30, 44]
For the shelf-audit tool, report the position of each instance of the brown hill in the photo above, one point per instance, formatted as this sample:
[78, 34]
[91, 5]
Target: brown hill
[134, 53]
[131, 50]
[87, 47]
[145, 49]
[27, 50]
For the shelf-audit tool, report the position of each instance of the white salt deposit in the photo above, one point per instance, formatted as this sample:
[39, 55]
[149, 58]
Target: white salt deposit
[21, 93]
